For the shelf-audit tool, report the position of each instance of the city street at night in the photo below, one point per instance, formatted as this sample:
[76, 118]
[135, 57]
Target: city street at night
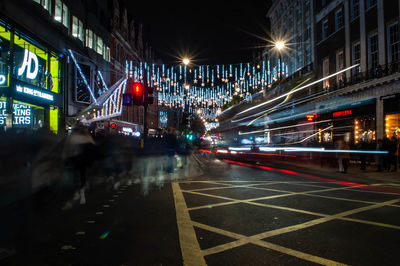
[145, 133]
[221, 214]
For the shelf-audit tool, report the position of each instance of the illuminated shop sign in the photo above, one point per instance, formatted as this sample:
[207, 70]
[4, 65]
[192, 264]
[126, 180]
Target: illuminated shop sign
[30, 65]
[311, 118]
[4, 80]
[22, 114]
[35, 93]
[342, 113]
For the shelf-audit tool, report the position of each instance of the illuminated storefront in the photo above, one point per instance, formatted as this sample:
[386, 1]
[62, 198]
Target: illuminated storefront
[29, 84]
[392, 116]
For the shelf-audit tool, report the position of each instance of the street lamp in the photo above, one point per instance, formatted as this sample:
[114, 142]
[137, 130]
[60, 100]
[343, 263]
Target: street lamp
[186, 61]
[279, 45]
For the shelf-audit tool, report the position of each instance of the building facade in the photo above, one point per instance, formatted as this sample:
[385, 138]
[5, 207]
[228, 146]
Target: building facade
[291, 23]
[60, 58]
[363, 34]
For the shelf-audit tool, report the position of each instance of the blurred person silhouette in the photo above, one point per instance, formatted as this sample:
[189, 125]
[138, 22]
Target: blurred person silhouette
[386, 146]
[363, 156]
[379, 157]
[343, 157]
[78, 153]
[171, 144]
[394, 153]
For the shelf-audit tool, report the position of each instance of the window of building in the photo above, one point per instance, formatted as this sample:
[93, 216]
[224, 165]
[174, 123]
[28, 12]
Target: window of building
[393, 43]
[340, 65]
[354, 9]
[373, 51]
[338, 19]
[89, 39]
[323, 3]
[324, 29]
[356, 57]
[61, 13]
[77, 28]
[370, 3]
[107, 54]
[325, 72]
[46, 4]
[99, 45]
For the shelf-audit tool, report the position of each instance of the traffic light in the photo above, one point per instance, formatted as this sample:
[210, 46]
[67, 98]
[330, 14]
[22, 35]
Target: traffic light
[134, 93]
[137, 92]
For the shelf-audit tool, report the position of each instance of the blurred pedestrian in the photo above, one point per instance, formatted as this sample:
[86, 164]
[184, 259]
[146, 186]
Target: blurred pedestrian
[379, 157]
[386, 146]
[78, 153]
[343, 157]
[394, 153]
[171, 148]
[363, 156]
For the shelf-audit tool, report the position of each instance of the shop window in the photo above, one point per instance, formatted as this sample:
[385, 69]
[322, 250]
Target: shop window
[31, 63]
[392, 126]
[89, 39]
[77, 28]
[338, 19]
[373, 51]
[61, 13]
[99, 45]
[25, 116]
[4, 48]
[393, 43]
[364, 130]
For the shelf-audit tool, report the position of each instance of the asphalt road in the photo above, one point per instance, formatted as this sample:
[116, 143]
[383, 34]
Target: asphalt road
[229, 215]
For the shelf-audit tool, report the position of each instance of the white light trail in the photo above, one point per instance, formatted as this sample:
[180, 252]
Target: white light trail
[238, 149]
[273, 129]
[301, 88]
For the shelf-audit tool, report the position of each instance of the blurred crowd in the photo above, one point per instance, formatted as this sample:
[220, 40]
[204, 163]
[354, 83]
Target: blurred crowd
[41, 167]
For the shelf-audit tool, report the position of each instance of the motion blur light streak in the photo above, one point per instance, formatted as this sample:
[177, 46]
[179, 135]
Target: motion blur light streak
[206, 151]
[301, 88]
[278, 128]
[318, 178]
[238, 149]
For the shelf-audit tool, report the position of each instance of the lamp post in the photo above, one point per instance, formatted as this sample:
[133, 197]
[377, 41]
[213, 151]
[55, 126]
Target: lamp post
[279, 45]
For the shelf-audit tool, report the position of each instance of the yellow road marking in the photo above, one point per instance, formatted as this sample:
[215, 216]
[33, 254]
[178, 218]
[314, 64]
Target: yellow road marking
[256, 239]
[190, 248]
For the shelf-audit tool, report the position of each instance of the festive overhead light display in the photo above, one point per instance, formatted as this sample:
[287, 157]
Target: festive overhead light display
[207, 87]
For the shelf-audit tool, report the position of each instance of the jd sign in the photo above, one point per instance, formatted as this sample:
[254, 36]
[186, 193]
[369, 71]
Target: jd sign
[30, 64]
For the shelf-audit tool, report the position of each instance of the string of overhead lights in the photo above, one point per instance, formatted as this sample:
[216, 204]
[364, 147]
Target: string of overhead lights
[205, 89]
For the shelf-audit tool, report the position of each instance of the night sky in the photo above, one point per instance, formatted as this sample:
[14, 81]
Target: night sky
[209, 32]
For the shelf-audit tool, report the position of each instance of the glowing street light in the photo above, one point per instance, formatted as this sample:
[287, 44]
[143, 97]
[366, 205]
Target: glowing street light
[279, 45]
[186, 61]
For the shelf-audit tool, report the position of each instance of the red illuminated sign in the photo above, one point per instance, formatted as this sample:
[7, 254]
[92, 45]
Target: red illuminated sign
[342, 113]
[311, 118]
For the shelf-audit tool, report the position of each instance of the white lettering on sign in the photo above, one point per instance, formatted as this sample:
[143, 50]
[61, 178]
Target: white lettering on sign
[3, 79]
[22, 113]
[35, 93]
[127, 129]
[31, 71]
